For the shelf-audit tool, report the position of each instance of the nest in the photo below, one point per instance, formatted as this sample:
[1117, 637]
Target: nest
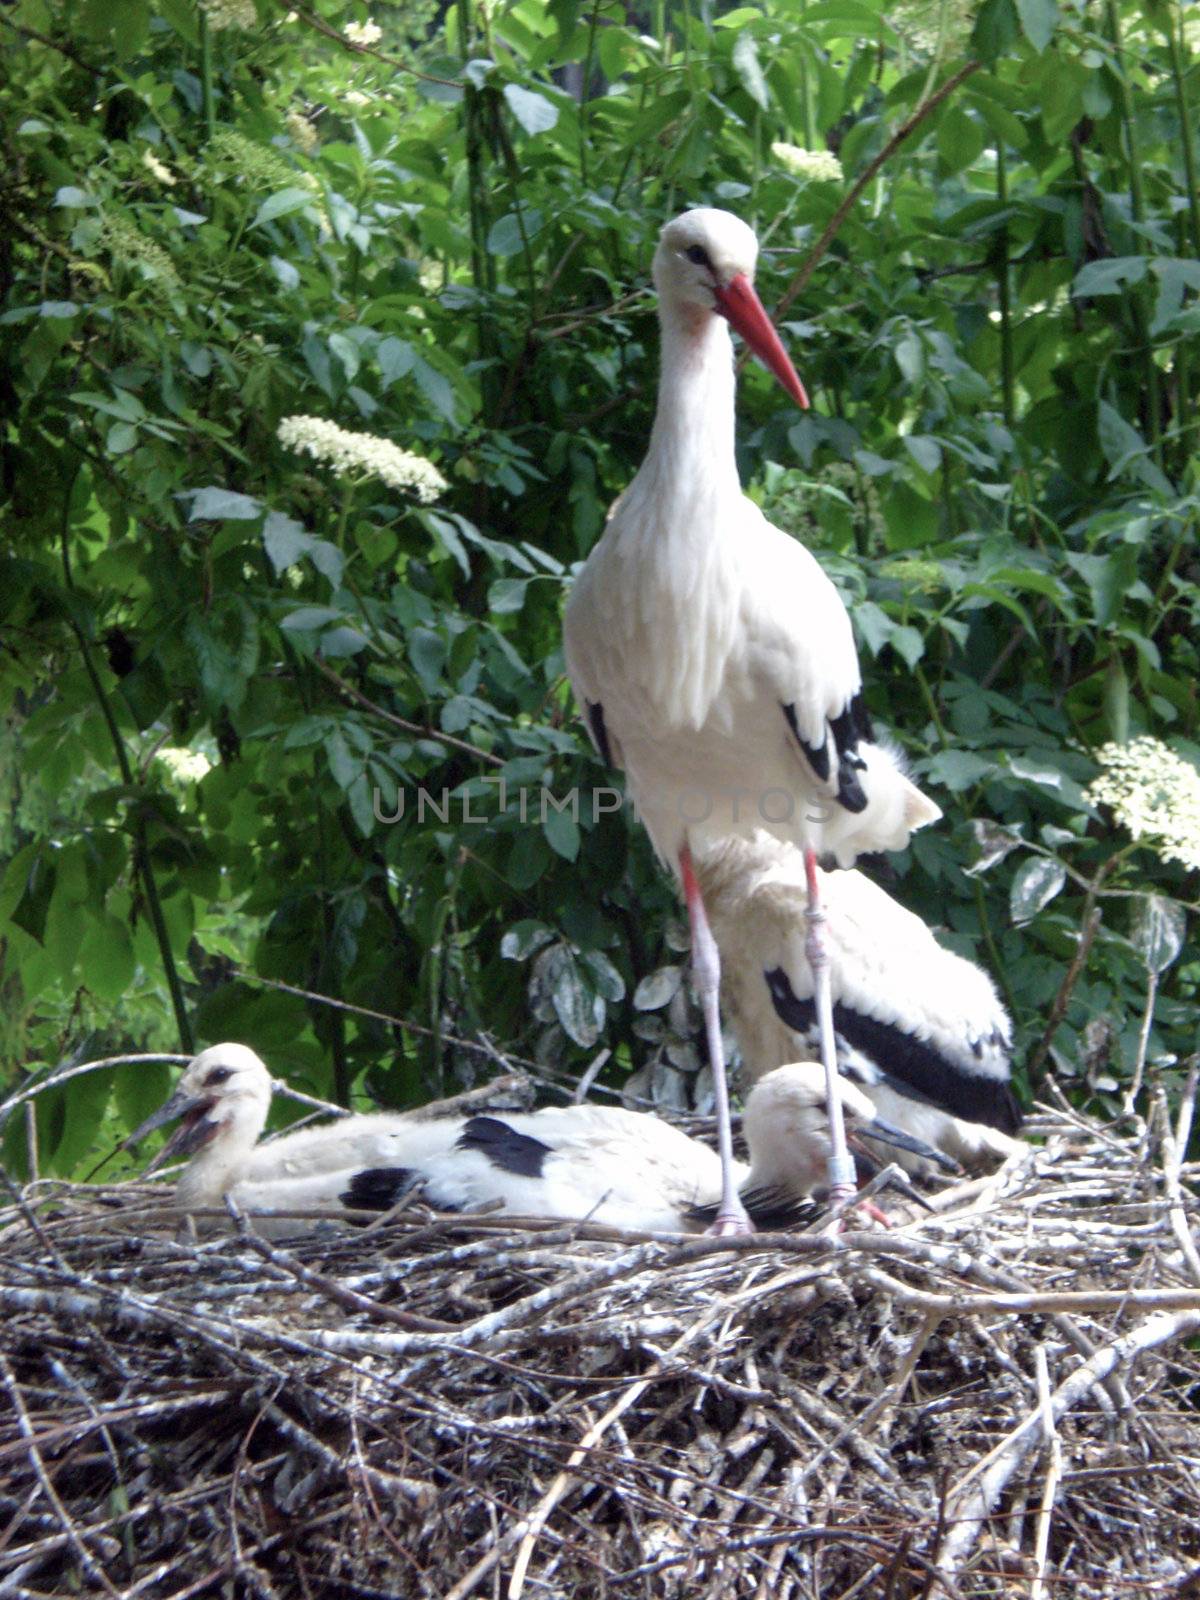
[996, 1400]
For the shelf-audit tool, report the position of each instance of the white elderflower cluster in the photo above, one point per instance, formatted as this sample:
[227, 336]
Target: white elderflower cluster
[352, 454]
[1154, 794]
[224, 14]
[301, 132]
[819, 166]
[189, 766]
[356, 99]
[363, 32]
[157, 169]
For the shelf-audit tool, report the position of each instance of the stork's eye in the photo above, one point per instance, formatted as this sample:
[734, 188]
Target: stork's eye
[697, 254]
[217, 1076]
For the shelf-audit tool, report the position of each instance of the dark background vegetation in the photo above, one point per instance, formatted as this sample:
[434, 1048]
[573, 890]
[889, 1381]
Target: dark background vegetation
[443, 239]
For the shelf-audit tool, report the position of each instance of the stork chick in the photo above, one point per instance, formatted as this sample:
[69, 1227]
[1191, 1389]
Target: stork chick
[920, 1029]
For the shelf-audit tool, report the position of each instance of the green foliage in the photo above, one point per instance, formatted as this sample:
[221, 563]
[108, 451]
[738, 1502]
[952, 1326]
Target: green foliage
[441, 239]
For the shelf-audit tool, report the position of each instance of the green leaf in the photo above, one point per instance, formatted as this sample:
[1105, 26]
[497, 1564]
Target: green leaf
[909, 355]
[1035, 885]
[1039, 18]
[223, 505]
[995, 845]
[562, 832]
[926, 452]
[284, 540]
[122, 436]
[608, 981]
[995, 30]
[524, 939]
[533, 111]
[283, 204]
[1049, 778]
[445, 531]
[657, 988]
[958, 770]
[427, 652]
[308, 619]
[507, 595]
[343, 641]
[746, 65]
[1109, 579]
[343, 764]
[960, 138]
[1108, 277]
[1120, 441]
[395, 359]
[504, 236]
[106, 958]
[31, 909]
[1158, 930]
[579, 1009]
[436, 389]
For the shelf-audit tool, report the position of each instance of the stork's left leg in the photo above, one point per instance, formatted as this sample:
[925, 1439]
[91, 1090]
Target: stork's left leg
[706, 968]
[842, 1178]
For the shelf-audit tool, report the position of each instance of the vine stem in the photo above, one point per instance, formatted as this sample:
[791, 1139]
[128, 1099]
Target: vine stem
[584, 97]
[1137, 206]
[1172, 25]
[833, 227]
[1004, 292]
[137, 823]
[1088, 929]
[206, 75]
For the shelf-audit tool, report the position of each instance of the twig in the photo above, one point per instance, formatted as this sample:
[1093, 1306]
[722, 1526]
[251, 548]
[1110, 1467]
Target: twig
[1058, 1010]
[86, 1559]
[1053, 1474]
[593, 1071]
[1139, 1065]
[833, 227]
[1171, 1159]
[353, 48]
[969, 1512]
[420, 729]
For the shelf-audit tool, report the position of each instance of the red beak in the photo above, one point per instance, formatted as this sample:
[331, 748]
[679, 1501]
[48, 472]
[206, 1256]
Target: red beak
[740, 306]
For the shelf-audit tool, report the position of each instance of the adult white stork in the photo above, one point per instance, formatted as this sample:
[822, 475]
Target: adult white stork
[627, 1168]
[920, 1029]
[712, 657]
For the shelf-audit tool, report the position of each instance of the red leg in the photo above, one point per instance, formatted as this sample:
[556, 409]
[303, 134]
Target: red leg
[842, 1181]
[706, 966]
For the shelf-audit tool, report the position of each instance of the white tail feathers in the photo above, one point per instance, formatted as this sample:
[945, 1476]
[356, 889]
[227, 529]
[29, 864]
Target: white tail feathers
[895, 809]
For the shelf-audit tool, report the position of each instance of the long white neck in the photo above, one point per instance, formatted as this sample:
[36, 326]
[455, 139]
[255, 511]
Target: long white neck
[691, 459]
[673, 547]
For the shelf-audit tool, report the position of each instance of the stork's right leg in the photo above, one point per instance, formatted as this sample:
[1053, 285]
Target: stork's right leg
[842, 1178]
[731, 1215]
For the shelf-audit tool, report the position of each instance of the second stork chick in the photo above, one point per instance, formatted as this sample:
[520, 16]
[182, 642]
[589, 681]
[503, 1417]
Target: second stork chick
[919, 1029]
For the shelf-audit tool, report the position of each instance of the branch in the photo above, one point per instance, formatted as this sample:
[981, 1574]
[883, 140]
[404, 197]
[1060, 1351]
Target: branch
[833, 227]
[418, 728]
[368, 50]
[966, 1515]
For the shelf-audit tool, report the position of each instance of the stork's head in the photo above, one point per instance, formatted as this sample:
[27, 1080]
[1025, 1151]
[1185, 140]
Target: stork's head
[704, 264]
[787, 1127]
[221, 1100]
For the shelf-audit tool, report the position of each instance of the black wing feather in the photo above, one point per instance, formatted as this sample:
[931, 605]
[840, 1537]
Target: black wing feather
[504, 1147]
[917, 1066]
[594, 713]
[847, 731]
